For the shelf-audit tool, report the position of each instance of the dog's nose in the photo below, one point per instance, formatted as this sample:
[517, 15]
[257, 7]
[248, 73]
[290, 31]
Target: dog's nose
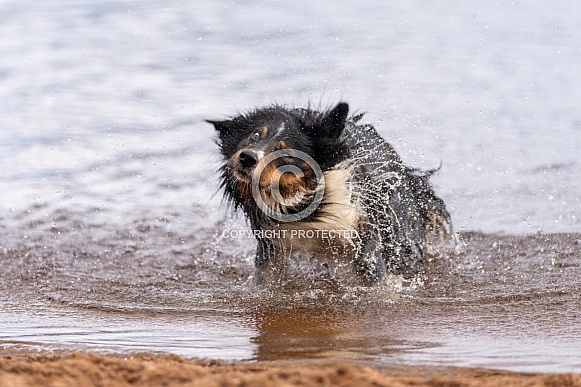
[248, 158]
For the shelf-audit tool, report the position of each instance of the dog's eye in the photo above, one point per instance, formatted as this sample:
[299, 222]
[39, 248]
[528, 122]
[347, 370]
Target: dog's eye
[255, 136]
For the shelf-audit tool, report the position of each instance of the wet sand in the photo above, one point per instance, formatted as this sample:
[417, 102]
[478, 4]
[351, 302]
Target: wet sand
[90, 369]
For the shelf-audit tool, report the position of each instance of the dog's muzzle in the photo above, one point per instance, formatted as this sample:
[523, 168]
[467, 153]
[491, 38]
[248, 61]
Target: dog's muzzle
[248, 158]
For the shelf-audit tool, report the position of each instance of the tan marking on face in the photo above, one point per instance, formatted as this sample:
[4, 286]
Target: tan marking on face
[233, 160]
[310, 178]
[281, 145]
[289, 184]
[264, 132]
[244, 189]
[267, 175]
[233, 165]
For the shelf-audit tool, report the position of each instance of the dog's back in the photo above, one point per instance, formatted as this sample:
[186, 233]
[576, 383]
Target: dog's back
[399, 202]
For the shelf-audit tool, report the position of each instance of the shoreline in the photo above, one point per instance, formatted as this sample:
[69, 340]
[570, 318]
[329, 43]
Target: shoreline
[143, 369]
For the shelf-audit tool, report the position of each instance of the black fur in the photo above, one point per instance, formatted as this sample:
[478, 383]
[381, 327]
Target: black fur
[397, 206]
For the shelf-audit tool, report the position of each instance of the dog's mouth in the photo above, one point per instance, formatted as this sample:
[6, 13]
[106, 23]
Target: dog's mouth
[243, 175]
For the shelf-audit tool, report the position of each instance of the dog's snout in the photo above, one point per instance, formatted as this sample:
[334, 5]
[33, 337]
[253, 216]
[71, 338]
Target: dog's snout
[248, 158]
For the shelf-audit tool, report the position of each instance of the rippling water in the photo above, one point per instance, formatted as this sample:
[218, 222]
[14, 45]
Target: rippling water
[111, 237]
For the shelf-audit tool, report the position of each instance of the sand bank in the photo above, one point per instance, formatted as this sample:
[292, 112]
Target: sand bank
[90, 369]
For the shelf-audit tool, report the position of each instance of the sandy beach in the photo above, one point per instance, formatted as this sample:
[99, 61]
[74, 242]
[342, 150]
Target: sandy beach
[90, 369]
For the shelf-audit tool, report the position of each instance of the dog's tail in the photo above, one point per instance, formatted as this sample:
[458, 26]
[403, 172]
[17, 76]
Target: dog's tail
[425, 174]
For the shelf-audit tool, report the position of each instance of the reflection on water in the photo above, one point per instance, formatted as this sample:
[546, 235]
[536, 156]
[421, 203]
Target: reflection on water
[326, 332]
[111, 232]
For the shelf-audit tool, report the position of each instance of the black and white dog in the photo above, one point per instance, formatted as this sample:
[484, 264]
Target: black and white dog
[318, 183]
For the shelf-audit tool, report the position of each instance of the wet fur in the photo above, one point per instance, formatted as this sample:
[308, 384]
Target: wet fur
[391, 207]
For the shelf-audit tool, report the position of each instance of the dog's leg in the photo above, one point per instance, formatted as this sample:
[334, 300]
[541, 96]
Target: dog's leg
[263, 253]
[268, 264]
[369, 261]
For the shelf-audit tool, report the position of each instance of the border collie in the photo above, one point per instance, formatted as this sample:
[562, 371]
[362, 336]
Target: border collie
[319, 183]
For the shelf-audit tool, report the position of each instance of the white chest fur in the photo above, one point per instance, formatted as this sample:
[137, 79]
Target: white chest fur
[333, 233]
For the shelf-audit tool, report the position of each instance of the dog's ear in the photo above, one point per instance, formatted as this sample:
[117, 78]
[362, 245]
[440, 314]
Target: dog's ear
[333, 122]
[223, 127]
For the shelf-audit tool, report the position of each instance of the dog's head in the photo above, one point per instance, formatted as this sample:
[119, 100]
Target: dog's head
[265, 139]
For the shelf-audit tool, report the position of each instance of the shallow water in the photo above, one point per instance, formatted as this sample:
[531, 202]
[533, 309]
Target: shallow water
[111, 237]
